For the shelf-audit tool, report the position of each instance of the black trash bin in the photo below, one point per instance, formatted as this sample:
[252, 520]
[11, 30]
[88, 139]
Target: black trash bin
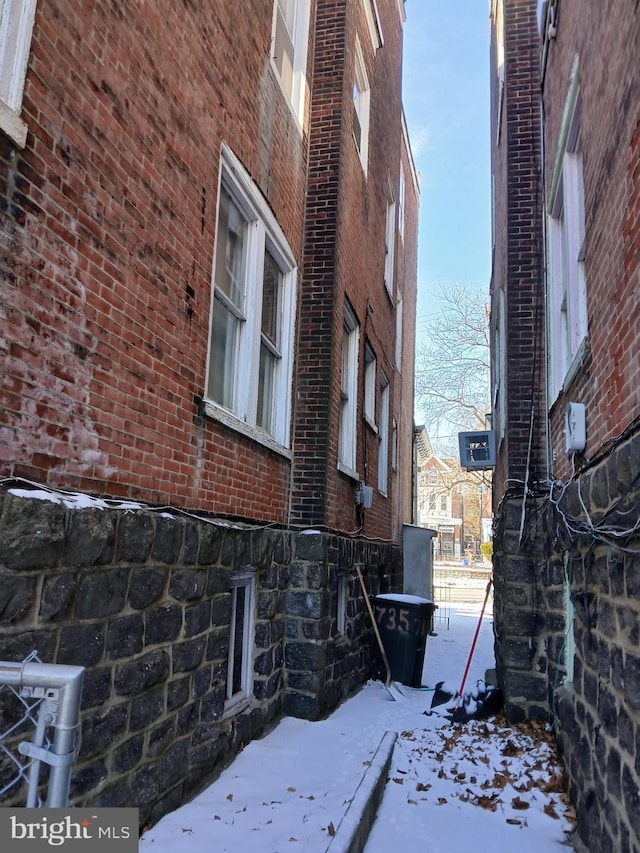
[404, 622]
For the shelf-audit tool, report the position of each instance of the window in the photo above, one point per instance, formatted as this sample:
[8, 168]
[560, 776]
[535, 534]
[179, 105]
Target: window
[369, 386]
[361, 98]
[567, 285]
[443, 503]
[500, 64]
[252, 314]
[349, 393]
[401, 202]
[16, 26]
[341, 604]
[432, 503]
[433, 477]
[383, 448]
[394, 445]
[240, 660]
[399, 333]
[390, 242]
[373, 23]
[499, 369]
[289, 49]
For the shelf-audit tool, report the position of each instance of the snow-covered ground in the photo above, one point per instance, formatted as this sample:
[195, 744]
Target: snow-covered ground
[482, 785]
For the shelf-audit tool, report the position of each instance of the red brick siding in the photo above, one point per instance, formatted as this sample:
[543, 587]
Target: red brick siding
[344, 257]
[107, 245]
[517, 265]
[609, 74]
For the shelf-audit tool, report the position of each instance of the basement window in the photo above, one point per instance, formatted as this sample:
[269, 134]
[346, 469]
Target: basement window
[341, 614]
[240, 660]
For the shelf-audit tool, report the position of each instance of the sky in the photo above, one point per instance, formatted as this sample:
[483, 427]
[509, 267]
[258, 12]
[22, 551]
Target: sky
[481, 785]
[446, 102]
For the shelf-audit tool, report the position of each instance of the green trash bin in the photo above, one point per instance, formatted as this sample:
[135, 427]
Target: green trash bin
[404, 622]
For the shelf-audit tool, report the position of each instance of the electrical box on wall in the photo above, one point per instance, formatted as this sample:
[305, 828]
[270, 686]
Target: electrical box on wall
[575, 428]
[477, 450]
[364, 496]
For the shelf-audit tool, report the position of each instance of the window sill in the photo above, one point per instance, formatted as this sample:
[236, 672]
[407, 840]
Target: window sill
[235, 706]
[344, 469]
[224, 416]
[577, 364]
[13, 125]
[371, 424]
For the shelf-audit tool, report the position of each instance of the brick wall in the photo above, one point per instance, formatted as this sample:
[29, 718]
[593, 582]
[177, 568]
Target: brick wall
[609, 80]
[566, 551]
[524, 285]
[344, 258]
[107, 247]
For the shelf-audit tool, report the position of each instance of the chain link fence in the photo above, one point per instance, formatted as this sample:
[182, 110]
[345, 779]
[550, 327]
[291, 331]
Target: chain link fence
[39, 718]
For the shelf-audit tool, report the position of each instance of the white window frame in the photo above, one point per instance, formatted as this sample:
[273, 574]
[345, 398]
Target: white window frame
[361, 107]
[390, 242]
[16, 29]
[263, 232]
[349, 394]
[341, 604]
[300, 41]
[370, 376]
[370, 8]
[394, 445]
[499, 369]
[399, 332]
[383, 446]
[401, 191]
[566, 282]
[246, 580]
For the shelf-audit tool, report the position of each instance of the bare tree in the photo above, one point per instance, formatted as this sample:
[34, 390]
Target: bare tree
[452, 364]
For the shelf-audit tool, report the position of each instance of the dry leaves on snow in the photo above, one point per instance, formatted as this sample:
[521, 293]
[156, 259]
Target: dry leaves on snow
[492, 764]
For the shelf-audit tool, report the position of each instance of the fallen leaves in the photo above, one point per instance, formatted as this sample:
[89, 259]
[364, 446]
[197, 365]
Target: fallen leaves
[493, 765]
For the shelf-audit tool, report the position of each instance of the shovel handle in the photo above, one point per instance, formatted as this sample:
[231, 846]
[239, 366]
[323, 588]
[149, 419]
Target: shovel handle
[375, 627]
[473, 645]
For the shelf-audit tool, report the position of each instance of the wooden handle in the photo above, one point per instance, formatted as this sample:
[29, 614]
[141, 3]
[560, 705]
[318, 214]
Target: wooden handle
[375, 627]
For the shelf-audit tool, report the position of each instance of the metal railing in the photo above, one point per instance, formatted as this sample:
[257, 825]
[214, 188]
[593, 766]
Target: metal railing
[40, 705]
[442, 597]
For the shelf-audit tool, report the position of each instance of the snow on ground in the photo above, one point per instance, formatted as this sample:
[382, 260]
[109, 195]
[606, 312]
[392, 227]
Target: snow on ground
[482, 785]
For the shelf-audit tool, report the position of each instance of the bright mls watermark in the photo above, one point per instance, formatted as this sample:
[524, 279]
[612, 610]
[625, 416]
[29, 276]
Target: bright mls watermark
[69, 830]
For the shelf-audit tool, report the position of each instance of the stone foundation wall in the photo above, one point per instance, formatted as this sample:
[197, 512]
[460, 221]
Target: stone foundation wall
[142, 600]
[523, 584]
[597, 715]
[567, 622]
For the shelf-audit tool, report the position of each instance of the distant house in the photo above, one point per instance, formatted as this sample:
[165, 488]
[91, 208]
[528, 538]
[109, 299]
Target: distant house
[209, 232]
[453, 502]
[566, 398]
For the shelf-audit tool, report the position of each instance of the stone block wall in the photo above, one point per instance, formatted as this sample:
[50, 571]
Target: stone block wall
[523, 590]
[142, 600]
[597, 714]
[323, 666]
[567, 624]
